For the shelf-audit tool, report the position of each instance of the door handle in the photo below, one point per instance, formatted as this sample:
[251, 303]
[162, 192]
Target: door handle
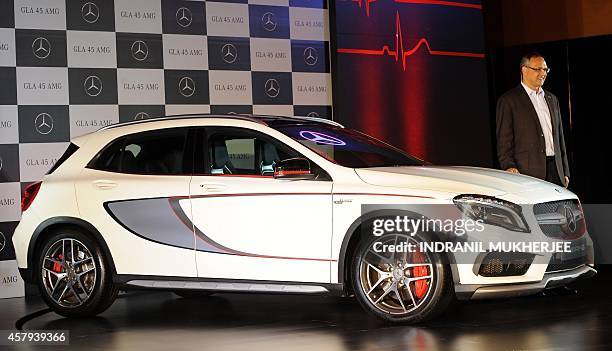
[104, 184]
[212, 187]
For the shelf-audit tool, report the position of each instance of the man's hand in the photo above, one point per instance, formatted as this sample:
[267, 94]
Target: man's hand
[514, 170]
[566, 181]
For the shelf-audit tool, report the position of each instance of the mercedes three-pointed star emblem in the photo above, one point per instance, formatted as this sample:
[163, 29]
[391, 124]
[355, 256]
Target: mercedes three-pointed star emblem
[268, 21]
[312, 114]
[41, 47]
[90, 12]
[141, 116]
[43, 123]
[2, 241]
[570, 220]
[311, 56]
[272, 88]
[229, 53]
[184, 17]
[140, 50]
[186, 86]
[93, 86]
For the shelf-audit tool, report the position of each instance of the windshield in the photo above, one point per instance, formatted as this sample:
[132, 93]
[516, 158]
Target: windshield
[348, 147]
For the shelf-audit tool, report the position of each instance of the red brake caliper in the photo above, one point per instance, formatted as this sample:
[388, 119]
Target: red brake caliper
[420, 286]
[57, 267]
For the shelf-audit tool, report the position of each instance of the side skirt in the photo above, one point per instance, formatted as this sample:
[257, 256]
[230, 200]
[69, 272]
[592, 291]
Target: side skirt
[126, 282]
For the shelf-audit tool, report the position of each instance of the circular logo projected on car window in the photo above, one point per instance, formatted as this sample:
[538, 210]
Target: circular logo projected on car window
[321, 138]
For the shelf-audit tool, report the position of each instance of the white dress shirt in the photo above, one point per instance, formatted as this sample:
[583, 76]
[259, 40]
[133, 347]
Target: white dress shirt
[539, 103]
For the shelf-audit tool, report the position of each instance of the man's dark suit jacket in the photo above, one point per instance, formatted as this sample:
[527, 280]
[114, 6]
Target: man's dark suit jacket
[520, 140]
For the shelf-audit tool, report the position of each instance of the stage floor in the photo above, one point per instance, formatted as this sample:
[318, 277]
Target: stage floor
[164, 321]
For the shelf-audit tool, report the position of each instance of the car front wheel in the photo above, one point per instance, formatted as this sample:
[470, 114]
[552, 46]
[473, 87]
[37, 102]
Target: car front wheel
[73, 275]
[404, 287]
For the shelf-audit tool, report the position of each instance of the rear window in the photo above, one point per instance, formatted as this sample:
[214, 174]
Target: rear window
[72, 148]
[159, 152]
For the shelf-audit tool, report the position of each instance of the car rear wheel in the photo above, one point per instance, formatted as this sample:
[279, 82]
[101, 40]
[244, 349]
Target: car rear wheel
[73, 275]
[405, 287]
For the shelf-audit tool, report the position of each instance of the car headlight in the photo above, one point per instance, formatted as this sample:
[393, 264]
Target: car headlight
[493, 211]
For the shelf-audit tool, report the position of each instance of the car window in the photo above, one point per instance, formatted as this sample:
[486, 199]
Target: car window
[108, 159]
[159, 152]
[347, 147]
[240, 152]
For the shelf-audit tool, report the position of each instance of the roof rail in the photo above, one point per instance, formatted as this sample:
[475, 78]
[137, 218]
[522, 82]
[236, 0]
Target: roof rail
[186, 116]
[245, 117]
[321, 120]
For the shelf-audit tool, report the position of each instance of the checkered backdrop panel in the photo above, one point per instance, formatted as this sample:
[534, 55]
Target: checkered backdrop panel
[69, 67]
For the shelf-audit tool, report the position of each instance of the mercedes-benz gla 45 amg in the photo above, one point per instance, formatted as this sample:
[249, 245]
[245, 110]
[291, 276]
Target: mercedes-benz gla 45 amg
[209, 203]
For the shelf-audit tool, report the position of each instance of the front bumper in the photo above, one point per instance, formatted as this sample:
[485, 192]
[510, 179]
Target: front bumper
[549, 281]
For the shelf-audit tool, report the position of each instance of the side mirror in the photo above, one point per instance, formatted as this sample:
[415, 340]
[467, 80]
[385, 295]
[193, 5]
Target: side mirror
[293, 168]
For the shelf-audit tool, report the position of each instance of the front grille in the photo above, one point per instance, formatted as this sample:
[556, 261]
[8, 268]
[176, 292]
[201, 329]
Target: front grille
[549, 207]
[560, 219]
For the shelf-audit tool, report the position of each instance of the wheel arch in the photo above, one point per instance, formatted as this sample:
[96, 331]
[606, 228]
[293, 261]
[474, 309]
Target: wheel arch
[352, 238]
[52, 224]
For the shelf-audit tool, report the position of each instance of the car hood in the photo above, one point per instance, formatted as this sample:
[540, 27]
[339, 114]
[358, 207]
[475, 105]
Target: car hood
[452, 180]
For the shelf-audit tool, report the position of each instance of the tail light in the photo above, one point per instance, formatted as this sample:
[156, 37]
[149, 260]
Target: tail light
[29, 194]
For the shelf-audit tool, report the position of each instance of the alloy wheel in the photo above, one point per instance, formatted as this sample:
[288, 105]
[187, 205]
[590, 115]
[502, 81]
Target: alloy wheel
[69, 272]
[396, 283]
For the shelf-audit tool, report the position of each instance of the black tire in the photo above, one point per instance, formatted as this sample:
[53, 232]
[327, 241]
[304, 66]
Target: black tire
[437, 298]
[96, 292]
[193, 294]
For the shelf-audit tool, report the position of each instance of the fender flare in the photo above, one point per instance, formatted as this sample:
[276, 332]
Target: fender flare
[353, 230]
[65, 221]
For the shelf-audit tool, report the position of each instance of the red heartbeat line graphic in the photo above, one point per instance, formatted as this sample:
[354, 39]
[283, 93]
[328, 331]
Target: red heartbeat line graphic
[367, 5]
[420, 2]
[400, 52]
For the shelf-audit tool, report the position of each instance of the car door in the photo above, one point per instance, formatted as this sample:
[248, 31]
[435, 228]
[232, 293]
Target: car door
[136, 193]
[248, 224]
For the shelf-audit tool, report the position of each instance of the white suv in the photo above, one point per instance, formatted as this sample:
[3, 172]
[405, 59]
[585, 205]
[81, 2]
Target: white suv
[198, 204]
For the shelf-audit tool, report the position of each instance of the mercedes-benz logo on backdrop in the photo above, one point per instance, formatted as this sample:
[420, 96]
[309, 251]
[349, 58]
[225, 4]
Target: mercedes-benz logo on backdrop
[268, 21]
[312, 114]
[93, 86]
[311, 56]
[229, 53]
[2, 241]
[272, 88]
[43, 123]
[140, 116]
[90, 12]
[186, 86]
[140, 50]
[184, 17]
[41, 48]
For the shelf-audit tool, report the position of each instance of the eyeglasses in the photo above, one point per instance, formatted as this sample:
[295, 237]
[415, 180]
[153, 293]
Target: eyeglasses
[539, 70]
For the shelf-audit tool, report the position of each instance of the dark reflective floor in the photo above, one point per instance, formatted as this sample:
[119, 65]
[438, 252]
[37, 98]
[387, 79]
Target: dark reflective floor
[164, 321]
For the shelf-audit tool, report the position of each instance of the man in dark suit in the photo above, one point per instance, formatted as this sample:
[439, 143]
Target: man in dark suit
[529, 130]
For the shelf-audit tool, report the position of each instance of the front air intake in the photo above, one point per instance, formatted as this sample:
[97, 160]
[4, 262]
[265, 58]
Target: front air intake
[502, 264]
